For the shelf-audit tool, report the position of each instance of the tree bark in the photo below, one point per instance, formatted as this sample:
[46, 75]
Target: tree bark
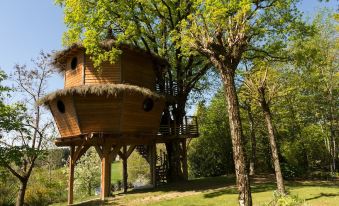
[253, 142]
[176, 172]
[243, 182]
[22, 191]
[274, 149]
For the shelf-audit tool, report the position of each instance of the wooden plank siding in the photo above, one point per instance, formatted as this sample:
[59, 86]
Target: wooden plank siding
[74, 77]
[137, 70]
[67, 122]
[109, 73]
[136, 120]
[98, 113]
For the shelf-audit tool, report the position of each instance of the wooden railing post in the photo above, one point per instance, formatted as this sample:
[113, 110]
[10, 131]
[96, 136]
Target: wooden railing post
[71, 176]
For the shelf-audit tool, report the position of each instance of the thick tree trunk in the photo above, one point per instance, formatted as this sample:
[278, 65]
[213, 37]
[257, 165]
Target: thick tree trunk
[253, 142]
[243, 182]
[274, 149]
[22, 191]
[176, 172]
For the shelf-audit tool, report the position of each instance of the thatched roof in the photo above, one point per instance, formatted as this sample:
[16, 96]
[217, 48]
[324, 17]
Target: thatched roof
[100, 89]
[59, 58]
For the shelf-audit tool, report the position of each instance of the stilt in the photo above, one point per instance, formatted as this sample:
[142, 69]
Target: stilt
[106, 172]
[153, 159]
[184, 160]
[71, 176]
[124, 162]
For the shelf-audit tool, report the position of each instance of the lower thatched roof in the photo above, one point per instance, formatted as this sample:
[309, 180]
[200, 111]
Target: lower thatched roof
[100, 89]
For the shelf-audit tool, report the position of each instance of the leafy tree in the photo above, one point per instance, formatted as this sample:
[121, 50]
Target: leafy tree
[148, 25]
[316, 58]
[263, 85]
[87, 173]
[24, 129]
[227, 32]
[211, 153]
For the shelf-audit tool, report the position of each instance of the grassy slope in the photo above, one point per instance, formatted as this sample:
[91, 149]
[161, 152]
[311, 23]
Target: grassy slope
[116, 171]
[220, 191]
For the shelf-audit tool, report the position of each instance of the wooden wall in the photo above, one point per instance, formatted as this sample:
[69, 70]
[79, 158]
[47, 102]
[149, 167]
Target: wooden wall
[67, 122]
[135, 119]
[74, 77]
[109, 73]
[137, 70]
[98, 113]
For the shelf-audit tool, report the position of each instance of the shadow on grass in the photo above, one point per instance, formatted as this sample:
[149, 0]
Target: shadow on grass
[323, 195]
[192, 185]
[233, 190]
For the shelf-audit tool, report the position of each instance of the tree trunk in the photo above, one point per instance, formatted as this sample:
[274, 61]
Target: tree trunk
[22, 191]
[243, 182]
[253, 142]
[175, 172]
[274, 150]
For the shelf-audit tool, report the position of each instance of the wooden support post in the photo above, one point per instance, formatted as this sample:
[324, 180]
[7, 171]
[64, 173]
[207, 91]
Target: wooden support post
[184, 160]
[124, 162]
[106, 172]
[153, 162]
[71, 176]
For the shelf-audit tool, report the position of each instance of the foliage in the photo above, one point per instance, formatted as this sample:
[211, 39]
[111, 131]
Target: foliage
[138, 169]
[211, 153]
[8, 188]
[25, 132]
[46, 187]
[87, 173]
[286, 200]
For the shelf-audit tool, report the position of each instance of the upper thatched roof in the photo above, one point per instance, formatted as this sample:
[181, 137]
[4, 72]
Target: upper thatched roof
[59, 58]
[100, 89]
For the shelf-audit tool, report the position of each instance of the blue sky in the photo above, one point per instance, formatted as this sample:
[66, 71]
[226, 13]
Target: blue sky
[29, 26]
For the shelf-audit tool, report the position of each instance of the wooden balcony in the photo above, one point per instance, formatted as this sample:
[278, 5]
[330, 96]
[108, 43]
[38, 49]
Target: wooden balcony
[188, 128]
[167, 88]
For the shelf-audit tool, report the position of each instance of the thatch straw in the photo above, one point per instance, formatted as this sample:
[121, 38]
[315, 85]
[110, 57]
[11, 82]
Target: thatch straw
[100, 89]
[59, 57]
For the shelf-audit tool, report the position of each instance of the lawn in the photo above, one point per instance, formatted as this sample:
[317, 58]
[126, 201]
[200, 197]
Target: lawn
[220, 191]
[116, 171]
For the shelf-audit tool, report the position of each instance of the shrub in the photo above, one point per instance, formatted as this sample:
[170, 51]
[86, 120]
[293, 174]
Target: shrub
[286, 200]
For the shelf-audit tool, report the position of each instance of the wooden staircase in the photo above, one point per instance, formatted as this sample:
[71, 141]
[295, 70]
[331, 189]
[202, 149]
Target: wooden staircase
[161, 167]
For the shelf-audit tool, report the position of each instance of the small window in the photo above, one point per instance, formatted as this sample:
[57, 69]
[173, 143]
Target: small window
[148, 104]
[74, 63]
[61, 106]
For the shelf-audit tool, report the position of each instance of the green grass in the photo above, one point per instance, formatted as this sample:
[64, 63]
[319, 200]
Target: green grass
[219, 191]
[116, 172]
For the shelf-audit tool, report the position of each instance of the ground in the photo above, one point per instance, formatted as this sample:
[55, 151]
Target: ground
[219, 191]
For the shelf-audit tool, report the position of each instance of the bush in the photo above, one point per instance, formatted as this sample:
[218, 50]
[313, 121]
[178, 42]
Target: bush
[286, 200]
[138, 169]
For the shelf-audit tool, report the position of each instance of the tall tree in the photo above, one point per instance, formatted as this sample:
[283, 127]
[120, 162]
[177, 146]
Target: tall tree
[26, 131]
[316, 60]
[226, 32]
[263, 86]
[148, 25]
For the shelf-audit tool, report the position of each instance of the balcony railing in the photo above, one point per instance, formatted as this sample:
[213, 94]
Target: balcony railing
[168, 87]
[189, 127]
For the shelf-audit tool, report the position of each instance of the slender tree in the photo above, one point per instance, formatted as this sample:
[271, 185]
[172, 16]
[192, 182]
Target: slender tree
[26, 129]
[264, 88]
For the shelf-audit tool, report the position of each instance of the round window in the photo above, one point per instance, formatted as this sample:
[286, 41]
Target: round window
[74, 63]
[148, 104]
[61, 106]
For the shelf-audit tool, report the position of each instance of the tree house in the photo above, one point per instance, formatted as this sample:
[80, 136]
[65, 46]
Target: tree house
[115, 109]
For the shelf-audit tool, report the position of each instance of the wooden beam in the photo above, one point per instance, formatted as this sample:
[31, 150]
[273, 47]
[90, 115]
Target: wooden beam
[124, 163]
[153, 159]
[71, 176]
[105, 172]
[184, 159]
